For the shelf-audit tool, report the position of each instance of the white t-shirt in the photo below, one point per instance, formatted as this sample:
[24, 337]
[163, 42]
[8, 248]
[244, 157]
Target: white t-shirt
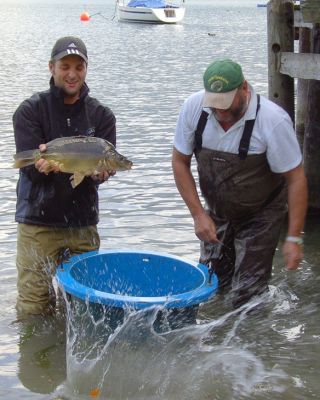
[273, 132]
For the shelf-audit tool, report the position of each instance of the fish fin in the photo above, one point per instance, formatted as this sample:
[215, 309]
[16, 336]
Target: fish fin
[24, 158]
[76, 179]
[22, 163]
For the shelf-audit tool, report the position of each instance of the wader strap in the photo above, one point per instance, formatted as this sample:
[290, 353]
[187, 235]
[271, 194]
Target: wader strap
[247, 133]
[200, 128]
[246, 136]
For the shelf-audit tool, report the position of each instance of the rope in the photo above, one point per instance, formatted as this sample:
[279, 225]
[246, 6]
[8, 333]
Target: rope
[102, 16]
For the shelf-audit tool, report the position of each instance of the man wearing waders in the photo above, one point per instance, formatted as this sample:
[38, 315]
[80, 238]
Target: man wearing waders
[250, 174]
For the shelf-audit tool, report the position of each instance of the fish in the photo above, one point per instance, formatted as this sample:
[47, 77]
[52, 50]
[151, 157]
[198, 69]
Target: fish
[78, 155]
[95, 392]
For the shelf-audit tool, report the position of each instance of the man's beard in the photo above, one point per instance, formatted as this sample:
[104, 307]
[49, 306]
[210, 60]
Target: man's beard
[233, 115]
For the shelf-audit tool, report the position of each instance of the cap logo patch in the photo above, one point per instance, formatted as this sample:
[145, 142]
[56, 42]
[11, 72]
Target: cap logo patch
[218, 83]
[73, 51]
[72, 45]
[216, 86]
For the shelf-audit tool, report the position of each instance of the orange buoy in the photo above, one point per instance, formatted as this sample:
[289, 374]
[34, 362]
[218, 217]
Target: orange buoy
[85, 16]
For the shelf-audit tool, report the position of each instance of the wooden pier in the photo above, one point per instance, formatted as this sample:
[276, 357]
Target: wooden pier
[288, 24]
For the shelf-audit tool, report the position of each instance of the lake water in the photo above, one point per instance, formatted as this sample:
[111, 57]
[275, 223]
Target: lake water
[144, 73]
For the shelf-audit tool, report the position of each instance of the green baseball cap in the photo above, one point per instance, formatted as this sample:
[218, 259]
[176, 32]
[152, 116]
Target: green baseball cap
[221, 81]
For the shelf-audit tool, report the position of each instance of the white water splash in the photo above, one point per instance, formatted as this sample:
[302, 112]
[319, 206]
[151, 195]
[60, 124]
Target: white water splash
[196, 362]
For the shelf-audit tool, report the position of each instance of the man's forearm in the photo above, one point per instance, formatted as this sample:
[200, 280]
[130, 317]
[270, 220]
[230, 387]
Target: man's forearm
[185, 182]
[297, 202]
[187, 189]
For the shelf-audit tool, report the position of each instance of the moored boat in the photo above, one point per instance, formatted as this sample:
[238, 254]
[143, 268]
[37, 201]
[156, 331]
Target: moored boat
[151, 11]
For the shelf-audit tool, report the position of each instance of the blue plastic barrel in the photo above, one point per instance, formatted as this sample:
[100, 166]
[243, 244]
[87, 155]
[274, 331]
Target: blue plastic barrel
[123, 279]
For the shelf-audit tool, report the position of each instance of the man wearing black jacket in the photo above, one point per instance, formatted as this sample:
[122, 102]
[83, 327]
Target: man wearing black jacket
[51, 215]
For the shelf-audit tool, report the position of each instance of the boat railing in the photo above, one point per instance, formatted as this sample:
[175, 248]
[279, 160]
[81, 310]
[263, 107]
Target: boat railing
[175, 4]
[168, 4]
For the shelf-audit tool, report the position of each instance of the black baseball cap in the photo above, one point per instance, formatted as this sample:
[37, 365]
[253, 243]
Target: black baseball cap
[67, 46]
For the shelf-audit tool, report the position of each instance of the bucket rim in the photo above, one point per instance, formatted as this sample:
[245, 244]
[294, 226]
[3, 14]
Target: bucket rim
[189, 298]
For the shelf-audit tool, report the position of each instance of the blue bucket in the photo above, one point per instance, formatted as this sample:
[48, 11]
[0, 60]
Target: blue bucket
[131, 280]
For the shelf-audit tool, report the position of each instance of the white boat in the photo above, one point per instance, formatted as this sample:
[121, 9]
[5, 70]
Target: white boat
[151, 11]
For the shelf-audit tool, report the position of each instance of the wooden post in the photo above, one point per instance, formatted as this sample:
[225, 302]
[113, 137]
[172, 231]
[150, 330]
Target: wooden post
[312, 134]
[302, 87]
[310, 10]
[280, 39]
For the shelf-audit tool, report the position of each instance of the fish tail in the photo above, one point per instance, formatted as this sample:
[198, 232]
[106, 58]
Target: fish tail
[24, 158]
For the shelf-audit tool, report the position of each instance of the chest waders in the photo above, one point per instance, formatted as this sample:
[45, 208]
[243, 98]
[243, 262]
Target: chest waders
[247, 202]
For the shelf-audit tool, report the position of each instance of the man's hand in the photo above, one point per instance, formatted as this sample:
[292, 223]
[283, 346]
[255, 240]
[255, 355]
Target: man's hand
[292, 253]
[205, 228]
[103, 176]
[43, 165]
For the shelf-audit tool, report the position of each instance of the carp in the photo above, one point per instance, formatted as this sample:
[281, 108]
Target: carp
[78, 155]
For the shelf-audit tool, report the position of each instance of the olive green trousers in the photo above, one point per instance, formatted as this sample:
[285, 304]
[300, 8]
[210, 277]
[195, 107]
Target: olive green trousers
[38, 252]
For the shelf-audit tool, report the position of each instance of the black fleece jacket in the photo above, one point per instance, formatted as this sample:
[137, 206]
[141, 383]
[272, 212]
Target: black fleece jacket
[49, 199]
